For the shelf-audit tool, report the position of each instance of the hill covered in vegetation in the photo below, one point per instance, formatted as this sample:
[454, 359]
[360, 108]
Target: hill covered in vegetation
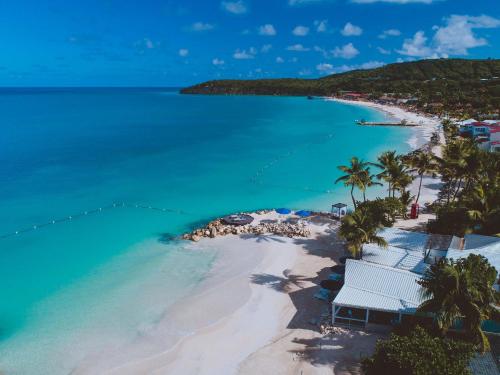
[471, 86]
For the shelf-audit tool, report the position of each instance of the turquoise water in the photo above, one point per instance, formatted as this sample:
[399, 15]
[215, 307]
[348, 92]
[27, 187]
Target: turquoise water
[75, 286]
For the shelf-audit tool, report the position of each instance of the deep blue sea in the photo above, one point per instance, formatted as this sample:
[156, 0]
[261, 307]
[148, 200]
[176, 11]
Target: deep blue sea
[112, 271]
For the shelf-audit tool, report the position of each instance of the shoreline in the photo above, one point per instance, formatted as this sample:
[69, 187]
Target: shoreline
[421, 134]
[256, 309]
[251, 322]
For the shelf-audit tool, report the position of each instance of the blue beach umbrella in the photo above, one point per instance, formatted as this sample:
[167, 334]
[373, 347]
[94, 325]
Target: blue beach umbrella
[303, 213]
[283, 211]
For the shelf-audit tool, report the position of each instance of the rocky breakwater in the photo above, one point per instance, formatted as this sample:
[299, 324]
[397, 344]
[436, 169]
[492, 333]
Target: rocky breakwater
[219, 228]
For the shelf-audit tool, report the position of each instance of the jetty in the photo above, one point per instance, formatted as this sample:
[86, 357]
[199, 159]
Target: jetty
[383, 123]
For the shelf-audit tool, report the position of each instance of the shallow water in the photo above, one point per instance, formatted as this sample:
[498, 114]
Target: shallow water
[101, 279]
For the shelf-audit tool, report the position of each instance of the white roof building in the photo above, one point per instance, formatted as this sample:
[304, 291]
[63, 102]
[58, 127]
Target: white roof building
[370, 286]
[383, 285]
[395, 257]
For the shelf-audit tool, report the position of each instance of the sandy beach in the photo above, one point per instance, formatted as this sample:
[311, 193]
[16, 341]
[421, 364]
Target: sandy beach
[255, 313]
[421, 134]
[258, 314]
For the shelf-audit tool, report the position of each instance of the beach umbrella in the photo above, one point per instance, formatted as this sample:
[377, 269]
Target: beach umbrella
[283, 211]
[303, 213]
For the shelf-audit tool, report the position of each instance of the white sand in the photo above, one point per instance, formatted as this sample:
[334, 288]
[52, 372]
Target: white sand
[421, 134]
[252, 315]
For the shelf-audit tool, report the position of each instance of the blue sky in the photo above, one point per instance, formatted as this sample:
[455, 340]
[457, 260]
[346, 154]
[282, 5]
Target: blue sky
[176, 43]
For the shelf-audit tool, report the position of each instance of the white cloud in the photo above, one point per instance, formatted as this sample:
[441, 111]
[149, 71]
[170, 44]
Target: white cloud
[201, 26]
[394, 1]
[183, 52]
[280, 60]
[306, 2]
[267, 29]
[300, 30]
[235, 7]
[293, 60]
[324, 68]
[416, 46]
[366, 65]
[305, 72]
[218, 62]
[297, 48]
[347, 51]
[389, 32]
[244, 54]
[321, 26]
[145, 44]
[383, 51]
[456, 37]
[351, 30]
[266, 48]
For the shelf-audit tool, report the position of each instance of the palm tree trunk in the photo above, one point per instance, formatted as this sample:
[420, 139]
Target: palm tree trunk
[419, 187]
[352, 197]
[389, 189]
[458, 189]
[364, 195]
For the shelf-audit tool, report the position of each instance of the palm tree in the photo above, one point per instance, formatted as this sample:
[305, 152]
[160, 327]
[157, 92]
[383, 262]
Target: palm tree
[386, 161]
[353, 176]
[358, 229]
[401, 177]
[422, 163]
[406, 198]
[460, 290]
[367, 180]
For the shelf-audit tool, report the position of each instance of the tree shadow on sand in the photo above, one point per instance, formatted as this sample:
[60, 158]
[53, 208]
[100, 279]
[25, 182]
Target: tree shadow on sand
[263, 238]
[280, 284]
[325, 245]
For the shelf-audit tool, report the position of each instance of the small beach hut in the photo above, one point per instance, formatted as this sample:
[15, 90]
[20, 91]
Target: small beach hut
[339, 210]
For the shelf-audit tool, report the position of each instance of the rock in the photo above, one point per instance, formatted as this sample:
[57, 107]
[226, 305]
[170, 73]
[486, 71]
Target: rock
[195, 238]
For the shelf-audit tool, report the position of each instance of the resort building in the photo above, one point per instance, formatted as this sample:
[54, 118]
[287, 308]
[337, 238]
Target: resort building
[382, 287]
[353, 96]
[377, 294]
[485, 133]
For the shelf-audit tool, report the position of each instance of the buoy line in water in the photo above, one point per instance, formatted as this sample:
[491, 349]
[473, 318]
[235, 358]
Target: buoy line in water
[87, 213]
[256, 177]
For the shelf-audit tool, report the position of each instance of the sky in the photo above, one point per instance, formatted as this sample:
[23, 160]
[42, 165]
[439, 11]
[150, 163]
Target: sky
[178, 43]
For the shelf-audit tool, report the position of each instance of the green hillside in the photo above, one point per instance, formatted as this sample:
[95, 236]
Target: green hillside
[459, 85]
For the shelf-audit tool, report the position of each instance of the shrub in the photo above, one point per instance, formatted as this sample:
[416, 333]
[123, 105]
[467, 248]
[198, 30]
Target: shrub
[419, 353]
[383, 211]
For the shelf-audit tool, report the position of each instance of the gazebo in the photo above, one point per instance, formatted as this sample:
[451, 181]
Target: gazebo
[339, 210]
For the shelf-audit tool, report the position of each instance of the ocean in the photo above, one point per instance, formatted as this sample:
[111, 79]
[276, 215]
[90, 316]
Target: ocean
[97, 184]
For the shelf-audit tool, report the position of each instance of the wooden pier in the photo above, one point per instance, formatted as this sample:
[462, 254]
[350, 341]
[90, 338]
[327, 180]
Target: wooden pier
[401, 124]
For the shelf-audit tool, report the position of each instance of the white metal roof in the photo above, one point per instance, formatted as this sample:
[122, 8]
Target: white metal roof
[395, 257]
[490, 252]
[377, 287]
[404, 239]
[473, 241]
